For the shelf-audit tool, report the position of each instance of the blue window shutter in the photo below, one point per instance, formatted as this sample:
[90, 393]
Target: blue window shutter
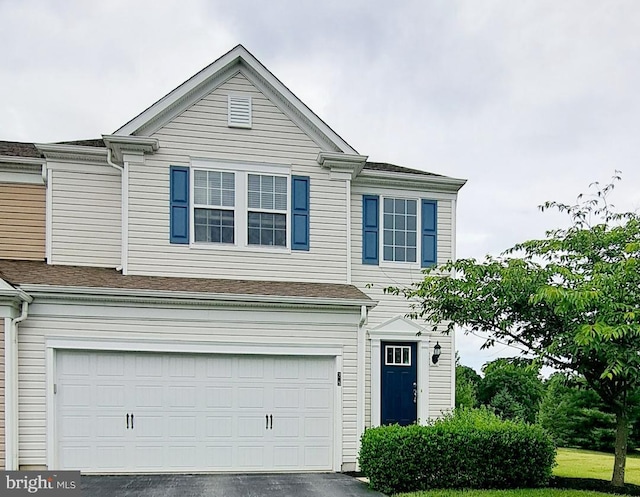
[299, 212]
[370, 229]
[429, 233]
[179, 204]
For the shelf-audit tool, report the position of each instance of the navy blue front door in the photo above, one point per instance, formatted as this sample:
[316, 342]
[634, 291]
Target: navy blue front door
[399, 389]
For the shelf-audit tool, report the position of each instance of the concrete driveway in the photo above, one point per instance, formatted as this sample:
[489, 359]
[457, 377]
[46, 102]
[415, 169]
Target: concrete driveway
[254, 485]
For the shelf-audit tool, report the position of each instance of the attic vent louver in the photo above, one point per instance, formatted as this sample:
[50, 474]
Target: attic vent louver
[239, 111]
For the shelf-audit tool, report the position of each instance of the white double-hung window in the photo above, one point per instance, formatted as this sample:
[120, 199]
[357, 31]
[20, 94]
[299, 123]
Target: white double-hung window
[214, 206]
[267, 215]
[240, 205]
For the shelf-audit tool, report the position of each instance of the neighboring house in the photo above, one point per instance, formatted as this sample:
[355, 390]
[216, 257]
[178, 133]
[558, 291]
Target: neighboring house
[206, 293]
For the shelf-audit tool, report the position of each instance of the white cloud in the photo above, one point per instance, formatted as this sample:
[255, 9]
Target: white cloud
[529, 100]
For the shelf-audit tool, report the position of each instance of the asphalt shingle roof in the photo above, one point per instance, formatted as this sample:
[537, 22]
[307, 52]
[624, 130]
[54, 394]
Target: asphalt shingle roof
[19, 273]
[392, 168]
[20, 149]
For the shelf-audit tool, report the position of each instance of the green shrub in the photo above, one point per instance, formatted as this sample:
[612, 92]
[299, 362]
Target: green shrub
[470, 449]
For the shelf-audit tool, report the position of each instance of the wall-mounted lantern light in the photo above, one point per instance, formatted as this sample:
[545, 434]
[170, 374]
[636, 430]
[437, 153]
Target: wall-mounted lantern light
[437, 350]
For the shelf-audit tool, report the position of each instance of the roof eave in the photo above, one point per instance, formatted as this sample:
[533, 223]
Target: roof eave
[53, 151]
[387, 178]
[202, 298]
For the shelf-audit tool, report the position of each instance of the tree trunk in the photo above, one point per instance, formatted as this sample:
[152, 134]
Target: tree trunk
[622, 434]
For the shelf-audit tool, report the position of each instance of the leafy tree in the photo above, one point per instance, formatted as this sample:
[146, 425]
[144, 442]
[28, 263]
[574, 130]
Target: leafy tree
[467, 381]
[513, 388]
[570, 300]
[575, 416]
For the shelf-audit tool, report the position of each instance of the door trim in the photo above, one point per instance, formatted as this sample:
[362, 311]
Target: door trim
[53, 344]
[377, 337]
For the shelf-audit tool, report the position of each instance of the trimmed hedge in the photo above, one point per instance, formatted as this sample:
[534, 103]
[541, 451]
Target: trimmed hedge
[470, 449]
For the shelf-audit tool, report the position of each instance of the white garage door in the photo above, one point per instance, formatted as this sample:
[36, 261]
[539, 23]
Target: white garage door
[138, 412]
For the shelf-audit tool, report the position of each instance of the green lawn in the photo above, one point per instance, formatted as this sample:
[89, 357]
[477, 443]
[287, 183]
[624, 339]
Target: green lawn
[572, 463]
[575, 463]
[540, 492]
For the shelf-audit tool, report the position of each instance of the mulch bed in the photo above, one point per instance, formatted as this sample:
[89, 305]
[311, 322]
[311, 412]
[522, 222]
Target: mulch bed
[593, 484]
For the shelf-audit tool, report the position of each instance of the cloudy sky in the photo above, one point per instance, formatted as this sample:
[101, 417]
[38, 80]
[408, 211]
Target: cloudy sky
[528, 100]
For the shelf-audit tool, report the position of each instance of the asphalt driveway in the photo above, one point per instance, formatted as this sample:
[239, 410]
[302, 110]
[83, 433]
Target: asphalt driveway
[254, 485]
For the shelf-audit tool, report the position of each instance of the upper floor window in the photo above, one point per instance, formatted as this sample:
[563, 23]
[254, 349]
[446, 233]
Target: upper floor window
[239, 205]
[400, 221]
[399, 229]
[267, 215]
[214, 203]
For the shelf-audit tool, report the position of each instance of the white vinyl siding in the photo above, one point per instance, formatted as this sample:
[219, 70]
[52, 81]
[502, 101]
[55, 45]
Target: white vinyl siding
[201, 132]
[373, 279]
[86, 216]
[195, 325]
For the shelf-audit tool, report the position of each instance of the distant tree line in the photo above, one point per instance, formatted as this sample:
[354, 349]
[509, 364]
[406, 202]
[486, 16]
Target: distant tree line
[565, 406]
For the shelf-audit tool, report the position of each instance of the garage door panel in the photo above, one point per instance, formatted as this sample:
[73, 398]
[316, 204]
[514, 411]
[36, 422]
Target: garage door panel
[182, 397]
[148, 426]
[252, 426]
[77, 456]
[286, 457]
[219, 456]
[148, 396]
[77, 395]
[76, 427]
[219, 367]
[110, 396]
[111, 457]
[110, 426]
[182, 366]
[193, 412]
[150, 456]
[148, 366]
[251, 397]
[251, 367]
[286, 397]
[251, 457]
[286, 426]
[317, 456]
[219, 397]
[110, 365]
[317, 398]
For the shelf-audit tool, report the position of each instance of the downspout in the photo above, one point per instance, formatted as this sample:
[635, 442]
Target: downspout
[348, 209]
[11, 386]
[360, 376]
[123, 212]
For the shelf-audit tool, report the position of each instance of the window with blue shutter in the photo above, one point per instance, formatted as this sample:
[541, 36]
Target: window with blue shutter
[299, 212]
[179, 204]
[429, 230]
[370, 229]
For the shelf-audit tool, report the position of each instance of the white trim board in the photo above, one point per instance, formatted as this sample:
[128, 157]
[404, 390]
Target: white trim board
[400, 329]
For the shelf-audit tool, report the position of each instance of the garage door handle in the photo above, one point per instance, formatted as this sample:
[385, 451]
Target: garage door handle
[132, 421]
[267, 416]
[271, 418]
[127, 421]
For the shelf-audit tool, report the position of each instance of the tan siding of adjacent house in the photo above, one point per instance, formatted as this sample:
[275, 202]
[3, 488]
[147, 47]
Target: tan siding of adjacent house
[2, 439]
[22, 221]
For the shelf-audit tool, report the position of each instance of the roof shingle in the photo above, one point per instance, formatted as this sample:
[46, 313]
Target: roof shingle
[20, 273]
[392, 168]
[19, 149]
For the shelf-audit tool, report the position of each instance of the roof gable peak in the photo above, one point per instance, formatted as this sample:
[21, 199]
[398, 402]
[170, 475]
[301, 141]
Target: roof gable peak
[237, 60]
